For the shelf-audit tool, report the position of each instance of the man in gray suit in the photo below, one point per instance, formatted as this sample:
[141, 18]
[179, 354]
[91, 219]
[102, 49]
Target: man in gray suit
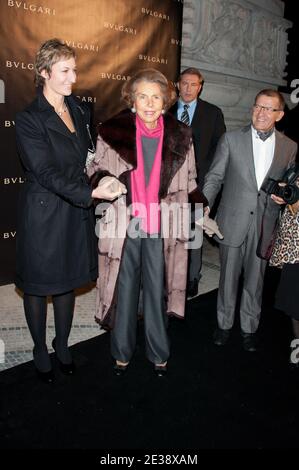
[244, 160]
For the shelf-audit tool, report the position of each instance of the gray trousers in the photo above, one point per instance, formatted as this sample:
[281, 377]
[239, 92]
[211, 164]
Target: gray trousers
[195, 257]
[195, 264]
[143, 259]
[232, 261]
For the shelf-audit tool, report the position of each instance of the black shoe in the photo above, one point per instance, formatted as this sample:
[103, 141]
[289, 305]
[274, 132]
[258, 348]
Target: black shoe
[221, 336]
[46, 377]
[192, 288]
[66, 369]
[160, 371]
[293, 366]
[120, 369]
[249, 341]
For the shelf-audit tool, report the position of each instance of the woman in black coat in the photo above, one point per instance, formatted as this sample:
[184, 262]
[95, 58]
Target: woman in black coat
[56, 246]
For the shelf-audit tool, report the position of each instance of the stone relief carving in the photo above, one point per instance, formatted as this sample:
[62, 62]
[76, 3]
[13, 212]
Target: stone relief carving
[230, 34]
[266, 51]
[226, 38]
[240, 46]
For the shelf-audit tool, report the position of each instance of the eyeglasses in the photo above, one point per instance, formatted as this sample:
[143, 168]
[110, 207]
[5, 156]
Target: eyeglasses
[267, 109]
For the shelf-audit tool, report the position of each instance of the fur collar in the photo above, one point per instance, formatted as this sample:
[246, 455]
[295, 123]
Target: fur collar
[119, 133]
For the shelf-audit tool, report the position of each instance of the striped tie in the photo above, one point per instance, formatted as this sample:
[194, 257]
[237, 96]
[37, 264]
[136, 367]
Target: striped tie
[185, 116]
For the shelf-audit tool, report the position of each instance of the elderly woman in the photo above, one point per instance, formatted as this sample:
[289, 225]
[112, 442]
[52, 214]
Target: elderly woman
[151, 153]
[56, 246]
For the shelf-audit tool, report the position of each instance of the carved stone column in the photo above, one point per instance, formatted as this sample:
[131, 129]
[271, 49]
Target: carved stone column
[239, 46]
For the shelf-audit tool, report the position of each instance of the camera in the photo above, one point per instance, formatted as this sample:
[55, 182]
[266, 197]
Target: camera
[290, 191]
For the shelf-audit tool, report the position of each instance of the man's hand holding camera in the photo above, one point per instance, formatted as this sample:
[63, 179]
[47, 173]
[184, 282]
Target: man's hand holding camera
[294, 207]
[278, 199]
[286, 190]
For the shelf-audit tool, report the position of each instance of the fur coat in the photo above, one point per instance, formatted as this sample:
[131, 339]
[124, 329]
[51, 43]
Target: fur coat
[116, 155]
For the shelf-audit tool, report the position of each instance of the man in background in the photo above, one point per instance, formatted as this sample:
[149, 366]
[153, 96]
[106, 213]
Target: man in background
[207, 123]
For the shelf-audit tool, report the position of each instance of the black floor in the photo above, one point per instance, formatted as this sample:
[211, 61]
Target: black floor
[213, 397]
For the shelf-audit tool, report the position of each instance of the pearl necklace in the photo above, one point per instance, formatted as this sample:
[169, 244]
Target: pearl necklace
[64, 110]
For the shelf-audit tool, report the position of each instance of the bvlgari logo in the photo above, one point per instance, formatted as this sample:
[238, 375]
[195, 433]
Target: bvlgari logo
[31, 7]
[154, 59]
[87, 99]
[114, 76]
[84, 46]
[9, 123]
[155, 14]
[176, 42]
[13, 180]
[120, 27]
[14, 64]
[8, 235]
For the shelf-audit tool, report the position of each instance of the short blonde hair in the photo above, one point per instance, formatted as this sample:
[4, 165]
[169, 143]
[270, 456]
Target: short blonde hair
[151, 76]
[49, 53]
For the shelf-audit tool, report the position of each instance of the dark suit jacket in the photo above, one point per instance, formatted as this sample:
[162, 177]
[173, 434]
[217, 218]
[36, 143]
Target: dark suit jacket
[207, 128]
[56, 249]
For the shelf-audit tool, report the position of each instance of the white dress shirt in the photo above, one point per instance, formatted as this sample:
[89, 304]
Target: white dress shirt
[263, 152]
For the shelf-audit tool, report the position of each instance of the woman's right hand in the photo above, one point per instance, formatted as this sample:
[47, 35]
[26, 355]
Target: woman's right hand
[109, 188]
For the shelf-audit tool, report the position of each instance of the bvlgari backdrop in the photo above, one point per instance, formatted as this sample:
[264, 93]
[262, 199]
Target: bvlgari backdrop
[112, 38]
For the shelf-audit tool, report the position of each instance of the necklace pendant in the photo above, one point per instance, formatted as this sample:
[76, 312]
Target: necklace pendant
[60, 113]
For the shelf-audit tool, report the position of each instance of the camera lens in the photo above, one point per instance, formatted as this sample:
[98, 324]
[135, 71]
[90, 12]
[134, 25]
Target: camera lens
[287, 193]
[290, 194]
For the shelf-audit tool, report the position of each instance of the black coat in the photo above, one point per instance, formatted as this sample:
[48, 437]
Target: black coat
[207, 128]
[56, 243]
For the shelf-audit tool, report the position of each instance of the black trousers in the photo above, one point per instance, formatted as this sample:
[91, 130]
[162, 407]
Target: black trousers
[143, 260]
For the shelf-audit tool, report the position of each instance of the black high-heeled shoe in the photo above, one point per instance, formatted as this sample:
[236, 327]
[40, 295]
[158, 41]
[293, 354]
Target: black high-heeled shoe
[42, 359]
[160, 371]
[45, 377]
[66, 369]
[120, 369]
